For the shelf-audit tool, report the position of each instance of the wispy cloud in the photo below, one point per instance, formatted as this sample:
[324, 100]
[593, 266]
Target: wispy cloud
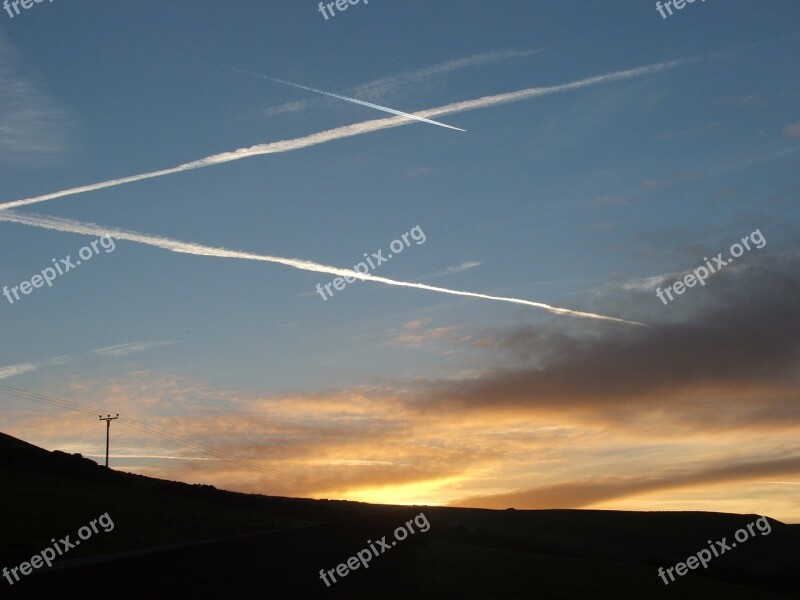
[289, 107]
[414, 325]
[614, 200]
[12, 370]
[418, 337]
[119, 350]
[749, 100]
[465, 266]
[642, 284]
[792, 130]
[131, 348]
[686, 133]
[33, 128]
[416, 172]
[388, 86]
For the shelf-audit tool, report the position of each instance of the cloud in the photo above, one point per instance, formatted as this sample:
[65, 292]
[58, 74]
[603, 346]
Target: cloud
[705, 399]
[388, 86]
[582, 494]
[792, 130]
[685, 133]
[119, 350]
[660, 185]
[131, 348]
[34, 130]
[614, 200]
[730, 360]
[749, 100]
[12, 370]
[418, 337]
[532, 432]
[646, 284]
[416, 172]
[713, 388]
[465, 266]
[289, 107]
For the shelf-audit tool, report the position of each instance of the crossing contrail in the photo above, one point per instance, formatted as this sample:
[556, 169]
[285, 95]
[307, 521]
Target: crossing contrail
[73, 226]
[340, 97]
[352, 130]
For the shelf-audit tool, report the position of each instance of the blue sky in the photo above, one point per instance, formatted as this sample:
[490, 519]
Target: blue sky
[580, 198]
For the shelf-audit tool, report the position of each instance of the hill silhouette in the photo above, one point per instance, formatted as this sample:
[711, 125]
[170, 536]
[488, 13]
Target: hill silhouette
[172, 539]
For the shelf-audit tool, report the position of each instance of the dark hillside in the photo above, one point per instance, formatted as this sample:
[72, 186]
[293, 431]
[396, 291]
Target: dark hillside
[172, 539]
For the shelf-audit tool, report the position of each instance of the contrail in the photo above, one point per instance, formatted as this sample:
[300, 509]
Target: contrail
[352, 130]
[340, 97]
[72, 226]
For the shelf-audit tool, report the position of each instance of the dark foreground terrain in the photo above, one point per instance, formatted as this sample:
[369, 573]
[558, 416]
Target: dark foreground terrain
[173, 540]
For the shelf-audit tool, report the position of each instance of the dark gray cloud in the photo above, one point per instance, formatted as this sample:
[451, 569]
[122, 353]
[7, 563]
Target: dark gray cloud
[727, 354]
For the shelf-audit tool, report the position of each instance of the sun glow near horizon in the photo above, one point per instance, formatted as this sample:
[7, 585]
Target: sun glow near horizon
[421, 493]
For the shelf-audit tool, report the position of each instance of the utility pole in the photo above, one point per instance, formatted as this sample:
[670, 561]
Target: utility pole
[108, 420]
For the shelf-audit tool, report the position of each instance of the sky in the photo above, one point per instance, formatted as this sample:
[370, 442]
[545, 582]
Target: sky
[525, 345]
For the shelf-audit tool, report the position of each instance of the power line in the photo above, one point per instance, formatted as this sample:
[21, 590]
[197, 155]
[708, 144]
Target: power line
[48, 400]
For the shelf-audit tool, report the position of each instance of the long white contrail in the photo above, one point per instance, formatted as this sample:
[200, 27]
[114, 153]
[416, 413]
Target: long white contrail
[351, 130]
[340, 97]
[72, 226]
